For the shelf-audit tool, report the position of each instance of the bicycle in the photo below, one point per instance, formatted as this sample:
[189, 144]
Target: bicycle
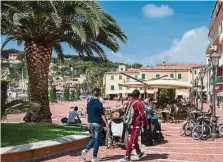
[203, 129]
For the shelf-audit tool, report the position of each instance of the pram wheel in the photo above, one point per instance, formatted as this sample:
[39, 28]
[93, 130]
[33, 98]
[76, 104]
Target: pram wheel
[108, 140]
[126, 139]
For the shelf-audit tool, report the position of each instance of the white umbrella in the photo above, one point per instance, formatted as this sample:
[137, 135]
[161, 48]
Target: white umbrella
[169, 84]
[220, 94]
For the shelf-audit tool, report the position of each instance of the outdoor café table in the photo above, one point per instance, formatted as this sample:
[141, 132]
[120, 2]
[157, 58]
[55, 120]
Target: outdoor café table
[164, 114]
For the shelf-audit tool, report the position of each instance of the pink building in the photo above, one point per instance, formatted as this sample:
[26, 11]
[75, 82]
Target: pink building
[183, 72]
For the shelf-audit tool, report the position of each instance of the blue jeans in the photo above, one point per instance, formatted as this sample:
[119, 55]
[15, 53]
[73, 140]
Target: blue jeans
[95, 130]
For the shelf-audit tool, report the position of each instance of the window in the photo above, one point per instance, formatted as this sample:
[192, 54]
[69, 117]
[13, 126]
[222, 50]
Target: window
[171, 75]
[195, 71]
[143, 76]
[128, 79]
[136, 76]
[112, 77]
[121, 69]
[157, 75]
[120, 77]
[112, 87]
[140, 88]
[179, 76]
[120, 87]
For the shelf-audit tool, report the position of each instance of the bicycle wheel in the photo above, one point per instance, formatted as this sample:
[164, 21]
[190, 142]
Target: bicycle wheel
[220, 129]
[197, 132]
[206, 132]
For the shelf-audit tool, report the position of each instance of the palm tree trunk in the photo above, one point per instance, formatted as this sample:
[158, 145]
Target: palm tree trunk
[38, 57]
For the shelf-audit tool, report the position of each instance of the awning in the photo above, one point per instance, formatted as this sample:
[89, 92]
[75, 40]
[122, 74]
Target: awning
[161, 83]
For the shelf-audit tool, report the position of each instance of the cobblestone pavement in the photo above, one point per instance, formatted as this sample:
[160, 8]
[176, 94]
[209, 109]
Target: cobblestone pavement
[174, 149]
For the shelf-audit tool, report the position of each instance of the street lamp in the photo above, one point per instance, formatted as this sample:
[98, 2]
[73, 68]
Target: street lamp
[201, 74]
[196, 85]
[215, 60]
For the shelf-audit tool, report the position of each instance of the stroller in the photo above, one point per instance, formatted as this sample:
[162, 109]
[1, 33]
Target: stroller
[118, 134]
[156, 130]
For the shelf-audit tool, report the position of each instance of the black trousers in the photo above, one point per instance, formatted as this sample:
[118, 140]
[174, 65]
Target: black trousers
[146, 136]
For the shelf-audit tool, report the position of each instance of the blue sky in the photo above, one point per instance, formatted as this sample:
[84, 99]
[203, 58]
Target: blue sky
[158, 31]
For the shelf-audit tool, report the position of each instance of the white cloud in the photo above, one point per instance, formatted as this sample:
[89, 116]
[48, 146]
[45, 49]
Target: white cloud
[119, 57]
[190, 48]
[153, 11]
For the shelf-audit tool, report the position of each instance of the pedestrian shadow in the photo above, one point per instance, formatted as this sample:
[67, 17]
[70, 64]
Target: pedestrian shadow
[154, 157]
[146, 157]
[160, 143]
[114, 157]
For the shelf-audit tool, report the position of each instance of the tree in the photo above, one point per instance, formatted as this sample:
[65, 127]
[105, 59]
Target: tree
[165, 95]
[4, 86]
[44, 25]
[94, 77]
[78, 93]
[136, 65]
[53, 95]
[66, 94]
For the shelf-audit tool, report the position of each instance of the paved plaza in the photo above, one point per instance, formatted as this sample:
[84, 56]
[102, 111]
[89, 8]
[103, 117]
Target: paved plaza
[174, 149]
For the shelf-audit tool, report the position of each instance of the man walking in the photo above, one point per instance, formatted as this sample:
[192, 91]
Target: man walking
[138, 120]
[95, 117]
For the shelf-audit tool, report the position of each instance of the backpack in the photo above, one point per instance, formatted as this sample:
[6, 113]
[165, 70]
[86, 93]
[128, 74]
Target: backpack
[149, 112]
[129, 114]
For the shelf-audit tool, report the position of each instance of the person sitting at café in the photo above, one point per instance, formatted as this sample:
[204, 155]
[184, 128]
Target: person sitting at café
[73, 117]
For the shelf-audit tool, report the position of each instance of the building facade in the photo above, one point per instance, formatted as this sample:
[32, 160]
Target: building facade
[216, 45]
[183, 72]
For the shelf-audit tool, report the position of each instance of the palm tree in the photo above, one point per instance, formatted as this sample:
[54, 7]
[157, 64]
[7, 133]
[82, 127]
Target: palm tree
[43, 25]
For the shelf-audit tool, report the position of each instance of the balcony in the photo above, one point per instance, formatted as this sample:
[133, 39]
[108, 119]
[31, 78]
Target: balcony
[215, 37]
[209, 50]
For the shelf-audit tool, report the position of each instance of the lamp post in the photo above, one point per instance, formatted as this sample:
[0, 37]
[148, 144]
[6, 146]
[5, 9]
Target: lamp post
[202, 73]
[214, 59]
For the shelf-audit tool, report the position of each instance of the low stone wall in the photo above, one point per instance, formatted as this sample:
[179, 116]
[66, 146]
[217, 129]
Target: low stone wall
[44, 149]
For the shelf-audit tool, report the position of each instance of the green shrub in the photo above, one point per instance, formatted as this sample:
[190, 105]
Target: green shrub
[53, 95]
[77, 96]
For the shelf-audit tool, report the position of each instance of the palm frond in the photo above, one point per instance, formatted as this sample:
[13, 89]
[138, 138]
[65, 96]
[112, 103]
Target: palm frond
[8, 39]
[58, 49]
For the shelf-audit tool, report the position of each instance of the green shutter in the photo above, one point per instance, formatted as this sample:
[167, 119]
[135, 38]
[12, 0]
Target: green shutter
[171, 76]
[136, 76]
[112, 87]
[112, 77]
[143, 76]
[179, 76]
[120, 77]
[157, 75]
[195, 71]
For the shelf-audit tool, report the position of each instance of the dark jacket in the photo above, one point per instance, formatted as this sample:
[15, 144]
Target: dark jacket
[94, 111]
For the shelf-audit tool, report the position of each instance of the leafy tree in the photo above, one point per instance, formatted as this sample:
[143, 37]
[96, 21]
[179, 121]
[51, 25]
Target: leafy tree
[66, 94]
[44, 25]
[94, 77]
[165, 95]
[53, 95]
[4, 85]
[136, 65]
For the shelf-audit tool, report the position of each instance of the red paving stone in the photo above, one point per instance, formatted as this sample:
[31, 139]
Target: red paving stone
[175, 148]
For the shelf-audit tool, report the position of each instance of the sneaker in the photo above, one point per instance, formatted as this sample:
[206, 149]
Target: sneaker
[95, 159]
[140, 155]
[125, 159]
[84, 154]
